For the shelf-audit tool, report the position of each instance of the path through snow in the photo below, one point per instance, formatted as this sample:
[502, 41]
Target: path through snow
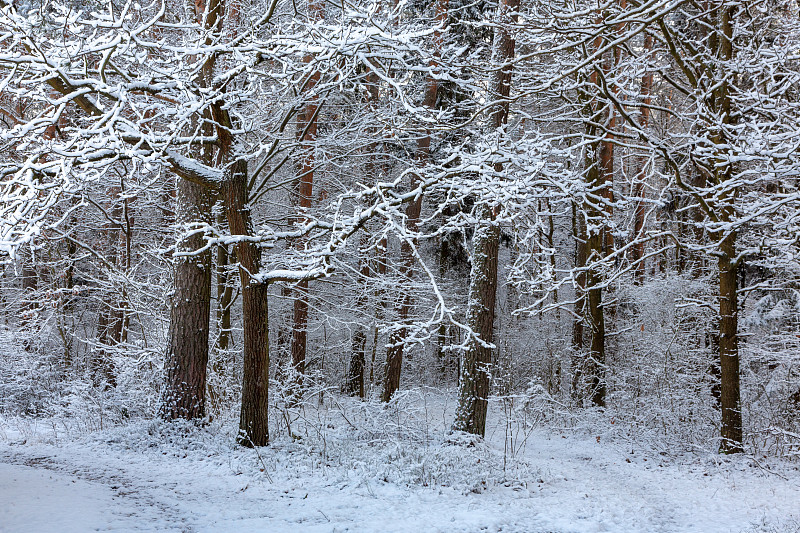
[573, 484]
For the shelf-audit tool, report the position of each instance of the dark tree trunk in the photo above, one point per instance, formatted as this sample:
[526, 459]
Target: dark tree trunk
[597, 355]
[300, 328]
[595, 245]
[307, 123]
[355, 373]
[729, 349]
[579, 318]
[638, 187]
[225, 288]
[187, 350]
[728, 281]
[224, 300]
[475, 369]
[474, 382]
[394, 351]
[253, 420]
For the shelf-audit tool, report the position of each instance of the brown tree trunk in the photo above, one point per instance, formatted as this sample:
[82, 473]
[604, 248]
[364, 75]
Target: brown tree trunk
[253, 419]
[473, 397]
[595, 246]
[300, 328]
[728, 281]
[307, 125]
[599, 163]
[729, 348]
[641, 174]
[597, 354]
[579, 318]
[224, 299]
[394, 350]
[380, 267]
[224, 290]
[355, 373]
[187, 349]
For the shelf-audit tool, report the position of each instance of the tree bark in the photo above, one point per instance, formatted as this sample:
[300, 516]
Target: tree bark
[594, 295]
[190, 311]
[307, 134]
[579, 317]
[729, 348]
[225, 289]
[355, 373]
[224, 299]
[728, 282]
[254, 416]
[473, 398]
[394, 350]
[641, 174]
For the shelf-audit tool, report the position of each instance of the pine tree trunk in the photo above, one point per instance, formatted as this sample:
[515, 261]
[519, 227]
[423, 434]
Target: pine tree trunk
[190, 311]
[394, 351]
[729, 349]
[728, 281]
[638, 187]
[300, 329]
[224, 299]
[223, 318]
[355, 373]
[307, 123]
[253, 419]
[473, 398]
[579, 318]
[597, 354]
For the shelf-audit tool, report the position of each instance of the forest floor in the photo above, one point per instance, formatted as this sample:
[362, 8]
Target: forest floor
[362, 468]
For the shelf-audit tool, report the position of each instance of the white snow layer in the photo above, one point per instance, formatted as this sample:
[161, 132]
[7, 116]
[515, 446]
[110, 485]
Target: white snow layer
[151, 476]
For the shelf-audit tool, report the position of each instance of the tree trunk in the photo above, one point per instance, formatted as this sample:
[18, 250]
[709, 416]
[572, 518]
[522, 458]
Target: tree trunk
[225, 287]
[394, 351]
[596, 244]
[729, 348]
[307, 134]
[224, 299]
[253, 419]
[355, 373]
[190, 311]
[579, 318]
[728, 281]
[597, 355]
[473, 397]
[475, 369]
[638, 187]
[300, 329]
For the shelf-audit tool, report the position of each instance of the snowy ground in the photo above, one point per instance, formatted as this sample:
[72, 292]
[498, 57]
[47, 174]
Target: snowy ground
[348, 469]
